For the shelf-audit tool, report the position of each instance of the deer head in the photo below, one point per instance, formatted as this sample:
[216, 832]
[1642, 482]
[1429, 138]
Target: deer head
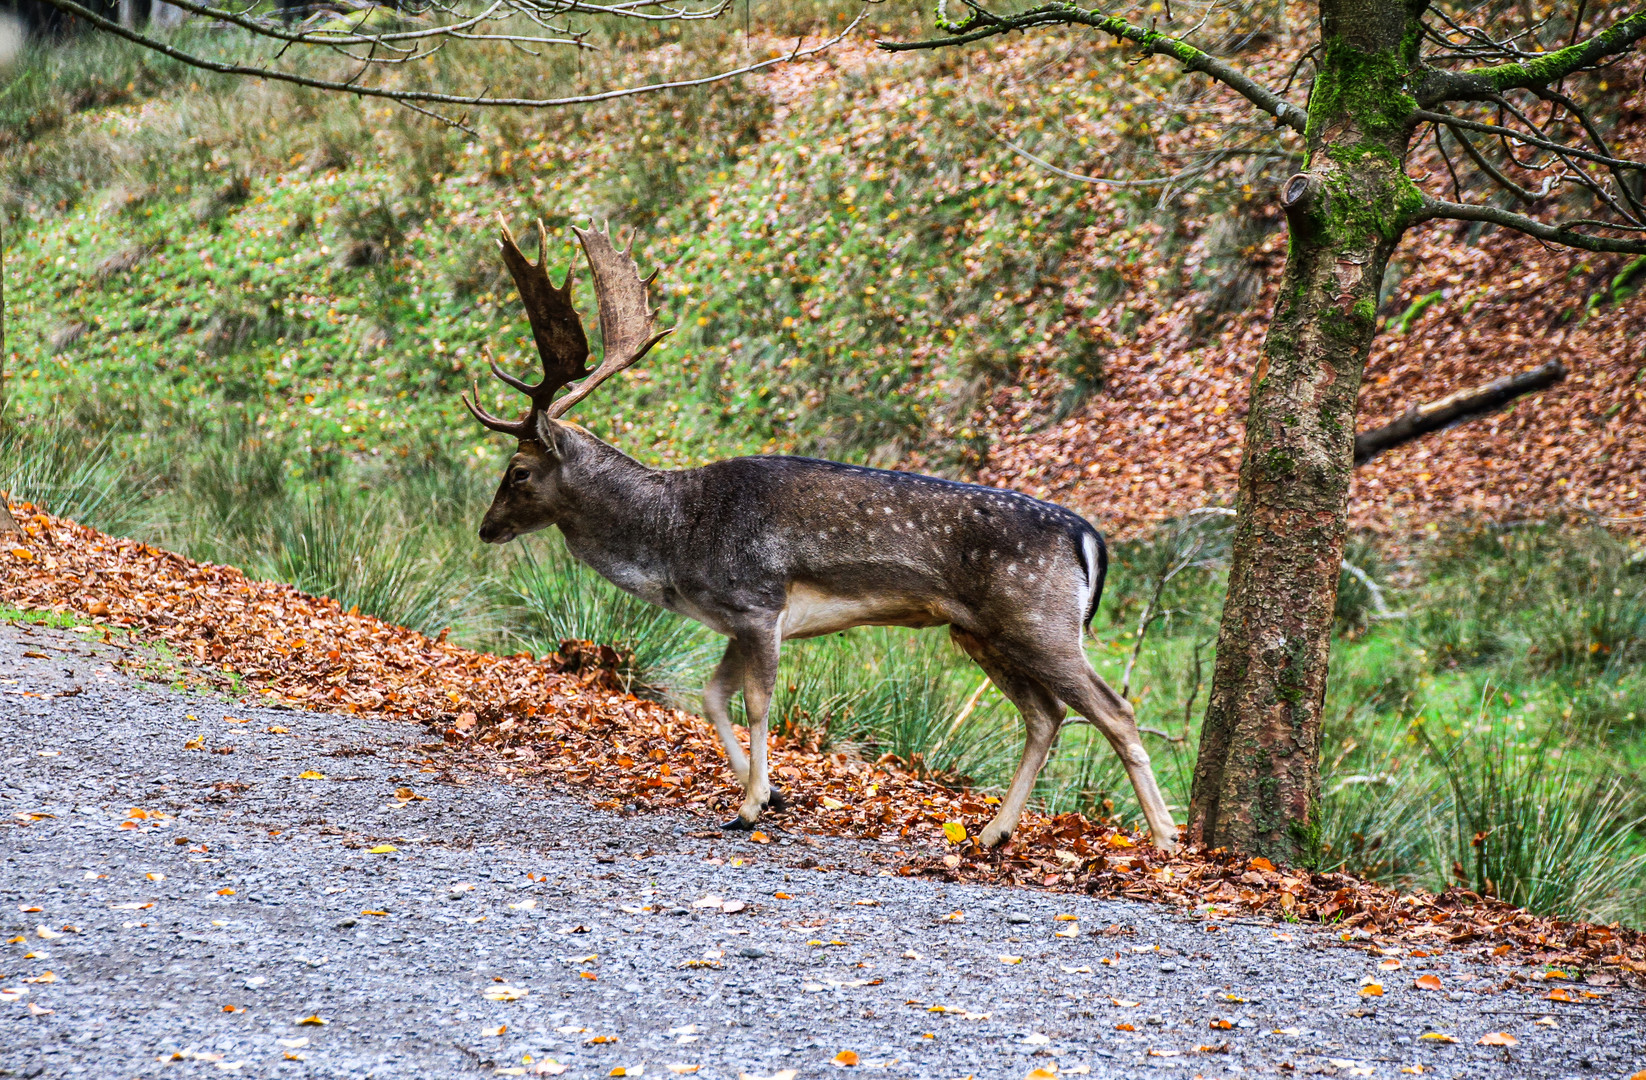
[531, 492]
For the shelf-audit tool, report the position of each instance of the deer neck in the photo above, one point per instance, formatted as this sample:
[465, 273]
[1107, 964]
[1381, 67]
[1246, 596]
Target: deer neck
[615, 510]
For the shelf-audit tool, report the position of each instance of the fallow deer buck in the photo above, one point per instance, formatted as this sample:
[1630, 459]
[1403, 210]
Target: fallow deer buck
[765, 549]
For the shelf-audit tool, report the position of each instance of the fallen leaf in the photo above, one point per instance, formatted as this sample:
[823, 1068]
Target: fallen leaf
[504, 993]
[1546, 1021]
[1124, 1027]
[1498, 1038]
[373, 911]
[1010, 959]
[1260, 863]
[1372, 990]
[955, 831]
[1042, 1073]
[953, 916]
[277, 730]
[37, 1010]
[866, 903]
[1037, 1039]
[1560, 993]
[683, 1070]
[525, 905]
[1438, 1036]
[312, 1021]
[1123, 1003]
[732, 907]
[46, 933]
[628, 1070]
[1427, 982]
[43, 977]
[759, 837]
[845, 1059]
[1084, 969]
[832, 804]
[1390, 964]
[311, 774]
[382, 849]
[781, 896]
[225, 892]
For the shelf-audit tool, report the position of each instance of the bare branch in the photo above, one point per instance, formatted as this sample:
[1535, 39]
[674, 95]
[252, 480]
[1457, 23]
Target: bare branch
[1562, 233]
[1485, 166]
[1422, 115]
[981, 24]
[433, 97]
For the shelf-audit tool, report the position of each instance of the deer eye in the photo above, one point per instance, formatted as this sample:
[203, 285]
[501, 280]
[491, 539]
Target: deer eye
[520, 476]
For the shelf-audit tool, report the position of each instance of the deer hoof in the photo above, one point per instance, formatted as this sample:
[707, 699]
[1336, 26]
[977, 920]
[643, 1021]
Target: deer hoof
[776, 801]
[737, 824]
[992, 837]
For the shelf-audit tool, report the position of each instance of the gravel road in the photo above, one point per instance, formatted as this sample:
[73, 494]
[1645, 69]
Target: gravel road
[252, 899]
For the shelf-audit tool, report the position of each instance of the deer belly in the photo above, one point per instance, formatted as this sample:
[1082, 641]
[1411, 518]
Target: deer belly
[811, 612]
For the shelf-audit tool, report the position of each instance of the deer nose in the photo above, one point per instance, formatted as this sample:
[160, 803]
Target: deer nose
[494, 534]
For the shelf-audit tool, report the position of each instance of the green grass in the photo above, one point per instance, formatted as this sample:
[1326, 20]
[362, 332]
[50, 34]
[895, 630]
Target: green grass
[56, 620]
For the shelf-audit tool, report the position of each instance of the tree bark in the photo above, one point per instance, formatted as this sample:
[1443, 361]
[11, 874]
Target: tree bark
[1256, 782]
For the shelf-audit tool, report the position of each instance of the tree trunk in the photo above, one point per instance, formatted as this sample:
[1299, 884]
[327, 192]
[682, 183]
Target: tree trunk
[1257, 780]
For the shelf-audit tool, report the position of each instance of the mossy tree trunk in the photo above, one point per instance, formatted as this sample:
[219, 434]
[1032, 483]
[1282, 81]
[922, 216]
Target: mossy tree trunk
[1256, 781]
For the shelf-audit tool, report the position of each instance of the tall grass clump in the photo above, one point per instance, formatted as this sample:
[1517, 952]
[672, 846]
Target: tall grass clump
[361, 552]
[879, 690]
[71, 473]
[554, 598]
[1533, 830]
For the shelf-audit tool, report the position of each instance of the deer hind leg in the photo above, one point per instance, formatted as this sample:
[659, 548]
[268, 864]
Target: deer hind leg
[1042, 718]
[1073, 679]
[717, 695]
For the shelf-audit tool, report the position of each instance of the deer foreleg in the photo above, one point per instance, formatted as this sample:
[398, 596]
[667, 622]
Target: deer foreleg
[717, 695]
[759, 681]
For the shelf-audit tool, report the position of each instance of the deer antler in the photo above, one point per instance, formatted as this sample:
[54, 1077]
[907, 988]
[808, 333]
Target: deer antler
[556, 327]
[626, 322]
[626, 317]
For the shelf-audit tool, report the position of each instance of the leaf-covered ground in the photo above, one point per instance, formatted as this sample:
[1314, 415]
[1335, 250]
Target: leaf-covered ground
[538, 722]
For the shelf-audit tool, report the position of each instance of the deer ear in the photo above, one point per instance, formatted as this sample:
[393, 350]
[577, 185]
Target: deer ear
[546, 433]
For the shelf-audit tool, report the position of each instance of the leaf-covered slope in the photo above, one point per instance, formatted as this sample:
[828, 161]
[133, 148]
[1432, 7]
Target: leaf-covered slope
[859, 264]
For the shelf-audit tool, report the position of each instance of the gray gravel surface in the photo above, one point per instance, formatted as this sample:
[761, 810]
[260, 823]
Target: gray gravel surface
[258, 891]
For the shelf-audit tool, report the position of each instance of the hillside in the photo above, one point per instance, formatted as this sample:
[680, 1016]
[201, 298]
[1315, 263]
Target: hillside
[859, 265]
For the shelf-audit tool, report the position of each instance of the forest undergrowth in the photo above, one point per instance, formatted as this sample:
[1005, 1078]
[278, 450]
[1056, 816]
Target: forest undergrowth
[239, 316]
